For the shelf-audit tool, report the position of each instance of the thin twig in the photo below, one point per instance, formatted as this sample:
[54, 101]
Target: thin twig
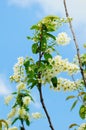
[44, 107]
[75, 41]
[22, 122]
[81, 100]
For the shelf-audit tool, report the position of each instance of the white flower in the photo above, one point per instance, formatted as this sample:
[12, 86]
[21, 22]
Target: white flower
[13, 128]
[59, 65]
[12, 113]
[18, 69]
[22, 112]
[9, 121]
[82, 126]
[36, 115]
[63, 39]
[66, 85]
[26, 100]
[21, 86]
[8, 99]
[20, 60]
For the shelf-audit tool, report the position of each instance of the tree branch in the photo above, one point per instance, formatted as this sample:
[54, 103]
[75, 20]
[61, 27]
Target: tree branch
[40, 86]
[44, 107]
[76, 43]
[22, 128]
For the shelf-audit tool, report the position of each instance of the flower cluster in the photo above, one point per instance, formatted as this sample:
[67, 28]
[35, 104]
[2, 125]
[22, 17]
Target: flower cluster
[20, 107]
[67, 85]
[59, 65]
[23, 113]
[63, 39]
[36, 115]
[82, 126]
[18, 70]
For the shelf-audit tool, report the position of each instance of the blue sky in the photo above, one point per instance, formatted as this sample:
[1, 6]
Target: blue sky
[16, 18]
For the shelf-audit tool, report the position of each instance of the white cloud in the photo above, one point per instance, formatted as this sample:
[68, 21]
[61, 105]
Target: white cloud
[21, 3]
[4, 87]
[77, 8]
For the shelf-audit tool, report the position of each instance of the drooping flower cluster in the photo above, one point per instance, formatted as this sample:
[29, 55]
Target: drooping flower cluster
[63, 39]
[20, 107]
[82, 127]
[21, 97]
[67, 85]
[59, 65]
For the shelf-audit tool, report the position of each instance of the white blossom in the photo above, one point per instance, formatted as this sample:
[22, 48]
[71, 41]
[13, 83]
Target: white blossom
[59, 65]
[20, 60]
[82, 126]
[21, 86]
[26, 100]
[18, 69]
[66, 85]
[22, 112]
[8, 99]
[63, 39]
[12, 113]
[36, 115]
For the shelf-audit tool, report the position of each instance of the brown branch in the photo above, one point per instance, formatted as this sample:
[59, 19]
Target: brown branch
[44, 107]
[22, 128]
[76, 43]
[40, 86]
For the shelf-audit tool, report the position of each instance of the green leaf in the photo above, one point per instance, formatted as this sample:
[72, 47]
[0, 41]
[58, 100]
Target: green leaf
[70, 97]
[28, 37]
[72, 125]
[14, 105]
[84, 98]
[34, 27]
[51, 36]
[74, 104]
[26, 64]
[33, 85]
[81, 93]
[54, 81]
[17, 118]
[14, 93]
[35, 48]
[27, 122]
[47, 56]
[82, 111]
